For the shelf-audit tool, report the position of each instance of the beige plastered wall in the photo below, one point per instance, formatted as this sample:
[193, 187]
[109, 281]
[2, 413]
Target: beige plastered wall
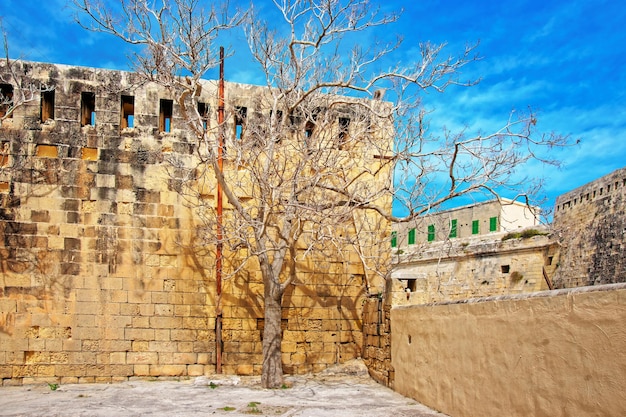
[558, 353]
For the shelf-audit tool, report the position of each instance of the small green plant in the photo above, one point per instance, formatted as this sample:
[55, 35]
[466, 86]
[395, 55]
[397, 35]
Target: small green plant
[227, 408]
[525, 234]
[253, 408]
[53, 387]
[284, 386]
[213, 385]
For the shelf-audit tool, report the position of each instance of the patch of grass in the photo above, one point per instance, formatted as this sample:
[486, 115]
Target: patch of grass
[227, 408]
[524, 234]
[253, 408]
[213, 385]
[53, 387]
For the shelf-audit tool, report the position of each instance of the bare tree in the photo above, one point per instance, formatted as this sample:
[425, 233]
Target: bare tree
[337, 140]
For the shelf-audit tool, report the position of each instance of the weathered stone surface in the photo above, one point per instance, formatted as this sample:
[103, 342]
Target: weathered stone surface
[589, 223]
[99, 250]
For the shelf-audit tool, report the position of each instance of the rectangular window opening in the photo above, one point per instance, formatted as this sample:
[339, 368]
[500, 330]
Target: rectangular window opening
[411, 284]
[87, 109]
[475, 227]
[431, 232]
[6, 99]
[394, 239]
[128, 112]
[279, 117]
[453, 228]
[493, 224]
[241, 114]
[505, 269]
[203, 110]
[47, 106]
[412, 237]
[166, 110]
[344, 125]
[308, 129]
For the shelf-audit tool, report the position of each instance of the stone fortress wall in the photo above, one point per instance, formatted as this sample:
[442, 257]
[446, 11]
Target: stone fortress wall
[590, 225]
[102, 274]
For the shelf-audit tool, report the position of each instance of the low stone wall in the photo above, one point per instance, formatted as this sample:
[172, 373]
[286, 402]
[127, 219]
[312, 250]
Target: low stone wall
[557, 353]
[377, 340]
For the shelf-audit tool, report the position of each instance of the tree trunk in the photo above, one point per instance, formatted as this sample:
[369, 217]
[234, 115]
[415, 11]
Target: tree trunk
[272, 373]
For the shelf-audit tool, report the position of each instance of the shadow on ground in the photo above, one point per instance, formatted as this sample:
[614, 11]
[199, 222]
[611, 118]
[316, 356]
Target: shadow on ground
[337, 393]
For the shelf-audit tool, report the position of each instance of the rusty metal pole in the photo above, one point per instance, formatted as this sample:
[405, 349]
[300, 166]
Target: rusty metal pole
[219, 231]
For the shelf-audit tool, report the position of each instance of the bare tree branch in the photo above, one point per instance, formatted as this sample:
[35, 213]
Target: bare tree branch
[328, 143]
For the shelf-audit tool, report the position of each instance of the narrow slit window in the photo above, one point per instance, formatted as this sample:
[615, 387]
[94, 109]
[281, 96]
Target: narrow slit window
[241, 113]
[87, 109]
[166, 110]
[309, 126]
[203, 110]
[6, 99]
[308, 129]
[394, 239]
[344, 125]
[128, 112]
[47, 105]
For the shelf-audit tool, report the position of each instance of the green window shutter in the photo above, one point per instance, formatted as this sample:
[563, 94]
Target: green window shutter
[493, 224]
[394, 239]
[431, 232]
[412, 237]
[452, 228]
[475, 227]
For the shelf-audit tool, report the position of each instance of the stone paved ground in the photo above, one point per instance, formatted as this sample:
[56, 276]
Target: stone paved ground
[319, 396]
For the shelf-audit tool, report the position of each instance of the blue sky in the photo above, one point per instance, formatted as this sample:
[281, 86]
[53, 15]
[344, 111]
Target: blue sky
[564, 59]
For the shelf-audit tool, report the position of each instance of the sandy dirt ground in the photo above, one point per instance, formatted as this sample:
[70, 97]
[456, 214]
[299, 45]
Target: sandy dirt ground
[331, 394]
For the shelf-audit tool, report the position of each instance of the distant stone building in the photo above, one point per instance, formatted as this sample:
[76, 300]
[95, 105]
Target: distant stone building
[103, 271]
[468, 221]
[471, 251]
[590, 226]
[453, 256]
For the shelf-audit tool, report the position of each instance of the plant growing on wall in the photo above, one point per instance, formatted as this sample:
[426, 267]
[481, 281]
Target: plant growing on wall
[332, 140]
